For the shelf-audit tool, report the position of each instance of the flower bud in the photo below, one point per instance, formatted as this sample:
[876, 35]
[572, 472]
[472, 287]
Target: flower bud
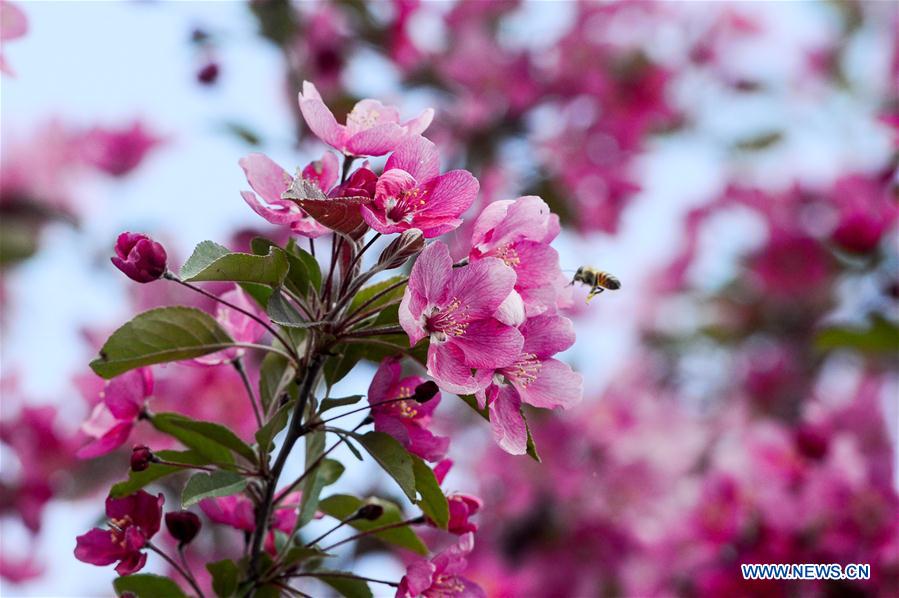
[141, 457]
[408, 244]
[183, 525]
[425, 391]
[369, 512]
[139, 257]
[208, 74]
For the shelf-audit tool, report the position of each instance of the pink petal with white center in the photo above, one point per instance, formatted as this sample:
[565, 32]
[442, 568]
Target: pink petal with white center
[511, 311]
[546, 335]
[446, 366]
[417, 156]
[489, 344]
[556, 385]
[370, 113]
[265, 177]
[376, 141]
[481, 287]
[509, 429]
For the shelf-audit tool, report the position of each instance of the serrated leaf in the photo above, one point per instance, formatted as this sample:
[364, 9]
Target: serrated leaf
[139, 479]
[147, 585]
[349, 587]
[329, 403]
[280, 311]
[392, 457]
[167, 422]
[211, 485]
[225, 577]
[342, 506]
[432, 502]
[269, 269]
[158, 336]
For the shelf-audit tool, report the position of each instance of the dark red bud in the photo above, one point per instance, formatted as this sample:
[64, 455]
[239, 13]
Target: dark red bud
[369, 512]
[209, 74]
[141, 457]
[425, 391]
[183, 525]
[139, 257]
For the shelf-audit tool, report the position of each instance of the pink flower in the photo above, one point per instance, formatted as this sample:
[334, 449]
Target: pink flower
[372, 129]
[271, 181]
[413, 194]
[133, 521]
[405, 419]
[114, 416]
[455, 307]
[519, 232]
[117, 151]
[238, 325]
[792, 264]
[534, 378]
[440, 577]
[461, 506]
[139, 257]
[13, 25]
[238, 511]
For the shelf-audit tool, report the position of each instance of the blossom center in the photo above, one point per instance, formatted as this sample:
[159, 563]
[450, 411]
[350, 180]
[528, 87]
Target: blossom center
[448, 583]
[400, 207]
[508, 255]
[450, 320]
[524, 370]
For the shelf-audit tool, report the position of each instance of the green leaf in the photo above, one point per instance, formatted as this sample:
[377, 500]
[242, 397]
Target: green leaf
[275, 374]
[312, 486]
[208, 263]
[160, 335]
[282, 312]
[389, 298]
[880, 336]
[259, 292]
[433, 501]
[298, 279]
[392, 457]
[174, 423]
[266, 434]
[328, 404]
[472, 402]
[206, 485]
[225, 577]
[346, 586]
[139, 479]
[211, 450]
[147, 585]
[313, 270]
[342, 506]
[298, 554]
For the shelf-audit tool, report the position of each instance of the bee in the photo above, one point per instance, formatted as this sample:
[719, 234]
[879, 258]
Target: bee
[596, 279]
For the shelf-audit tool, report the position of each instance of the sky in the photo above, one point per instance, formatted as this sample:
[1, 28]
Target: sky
[107, 63]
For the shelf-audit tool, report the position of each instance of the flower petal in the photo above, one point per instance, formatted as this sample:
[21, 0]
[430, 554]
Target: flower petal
[446, 366]
[432, 273]
[546, 335]
[489, 344]
[556, 385]
[376, 141]
[97, 548]
[417, 156]
[509, 429]
[481, 287]
[319, 118]
[265, 177]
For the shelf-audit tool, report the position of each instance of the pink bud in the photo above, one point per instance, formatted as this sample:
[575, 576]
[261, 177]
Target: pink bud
[139, 257]
[141, 457]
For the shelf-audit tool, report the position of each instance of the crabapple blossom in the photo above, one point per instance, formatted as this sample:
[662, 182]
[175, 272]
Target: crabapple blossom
[238, 511]
[270, 181]
[113, 418]
[133, 521]
[411, 193]
[139, 257]
[461, 506]
[455, 308]
[441, 576]
[395, 411]
[519, 233]
[117, 151]
[239, 326]
[372, 129]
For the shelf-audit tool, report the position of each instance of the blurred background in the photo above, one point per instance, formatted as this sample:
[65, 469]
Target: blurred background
[734, 164]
